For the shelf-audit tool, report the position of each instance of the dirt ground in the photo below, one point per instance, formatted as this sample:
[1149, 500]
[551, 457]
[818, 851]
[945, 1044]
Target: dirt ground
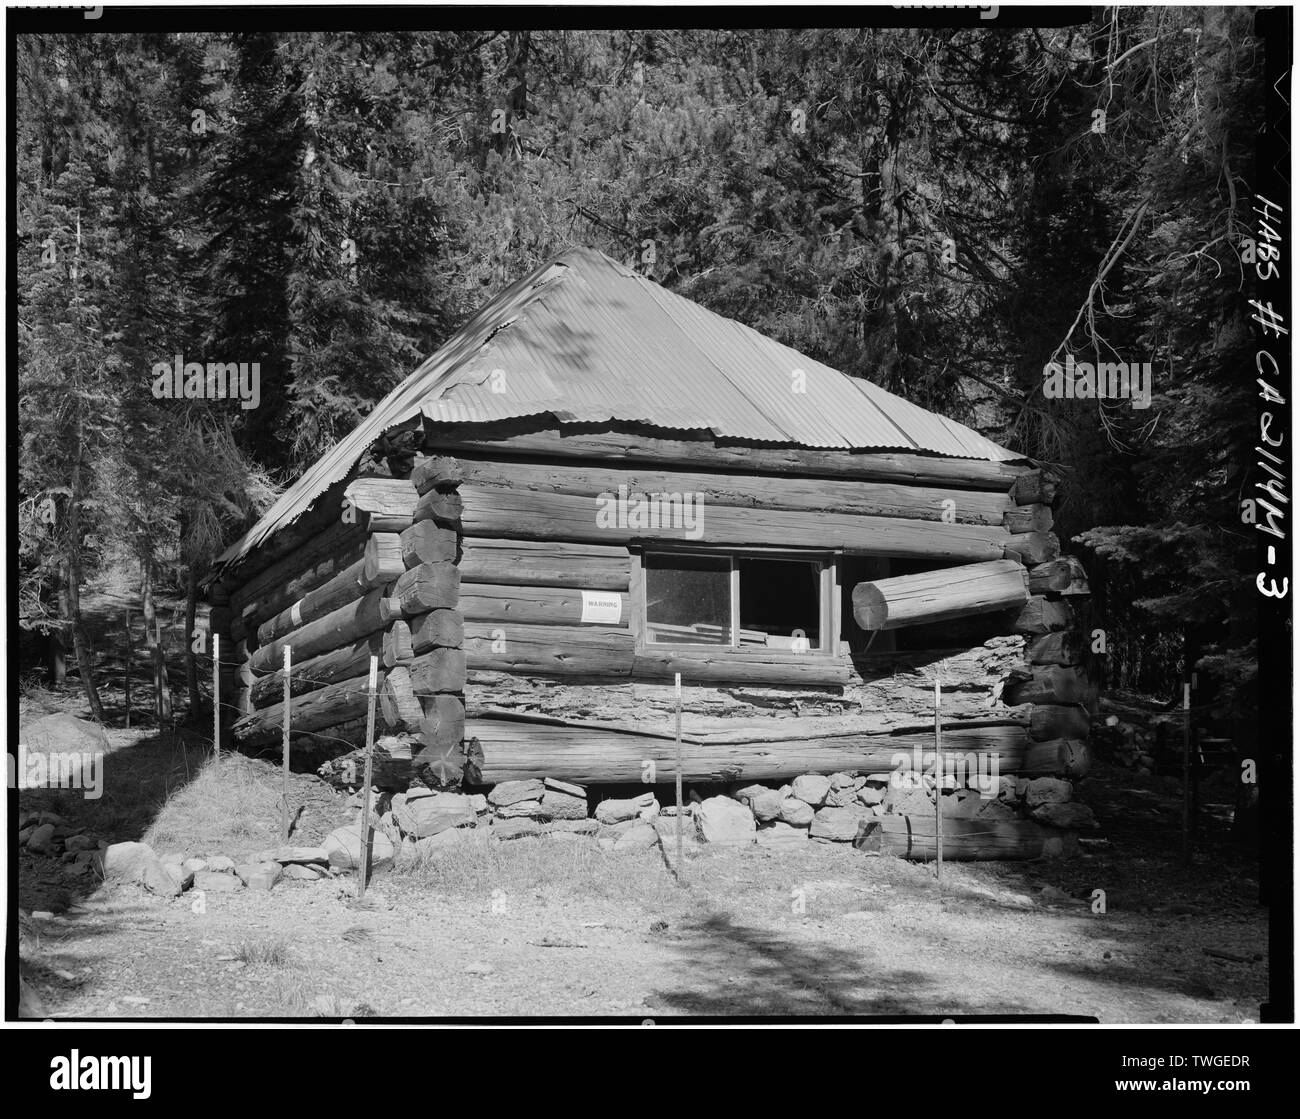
[537, 927]
[540, 927]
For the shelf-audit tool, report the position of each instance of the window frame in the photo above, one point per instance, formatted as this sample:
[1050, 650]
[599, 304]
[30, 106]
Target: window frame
[828, 604]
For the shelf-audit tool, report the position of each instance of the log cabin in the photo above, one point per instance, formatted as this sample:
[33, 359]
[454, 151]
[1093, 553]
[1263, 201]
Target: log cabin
[597, 485]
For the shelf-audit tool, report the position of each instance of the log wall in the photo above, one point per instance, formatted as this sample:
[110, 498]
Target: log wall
[470, 582]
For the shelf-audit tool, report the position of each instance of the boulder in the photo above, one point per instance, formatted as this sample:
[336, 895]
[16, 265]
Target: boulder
[908, 802]
[841, 781]
[559, 805]
[529, 808]
[648, 814]
[422, 817]
[178, 874]
[840, 825]
[511, 792]
[1071, 816]
[565, 787]
[516, 829]
[259, 875]
[995, 810]
[64, 734]
[615, 811]
[136, 863]
[725, 822]
[479, 803]
[343, 848]
[746, 793]
[301, 872]
[217, 882]
[811, 788]
[637, 838]
[613, 831]
[221, 864]
[781, 835]
[77, 843]
[766, 806]
[193, 866]
[870, 794]
[796, 813]
[1048, 790]
[838, 798]
[42, 840]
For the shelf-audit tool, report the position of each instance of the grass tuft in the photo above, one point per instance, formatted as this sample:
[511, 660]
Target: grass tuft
[270, 952]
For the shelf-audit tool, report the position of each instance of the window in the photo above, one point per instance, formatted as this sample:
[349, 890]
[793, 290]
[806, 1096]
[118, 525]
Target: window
[746, 602]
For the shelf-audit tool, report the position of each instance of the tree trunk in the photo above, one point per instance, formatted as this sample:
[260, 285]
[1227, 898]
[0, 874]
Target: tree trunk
[162, 700]
[191, 621]
[58, 648]
[73, 584]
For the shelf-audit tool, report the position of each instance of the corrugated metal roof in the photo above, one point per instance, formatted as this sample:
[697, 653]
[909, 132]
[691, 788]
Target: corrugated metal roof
[586, 340]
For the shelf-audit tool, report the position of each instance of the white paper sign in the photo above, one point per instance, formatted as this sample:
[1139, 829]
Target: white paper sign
[602, 607]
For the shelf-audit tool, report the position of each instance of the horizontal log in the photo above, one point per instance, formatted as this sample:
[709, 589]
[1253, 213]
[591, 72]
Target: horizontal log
[315, 672]
[1057, 757]
[1052, 720]
[1034, 487]
[545, 563]
[282, 583]
[625, 447]
[563, 650]
[347, 586]
[795, 493]
[700, 666]
[506, 514]
[438, 629]
[1042, 615]
[939, 595]
[596, 755]
[486, 602]
[383, 561]
[337, 703]
[1028, 518]
[439, 670]
[431, 586]
[915, 837]
[886, 692]
[1033, 547]
[1051, 685]
[1055, 648]
[338, 628]
[1063, 576]
[427, 542]
[390, 767]
[385, 498]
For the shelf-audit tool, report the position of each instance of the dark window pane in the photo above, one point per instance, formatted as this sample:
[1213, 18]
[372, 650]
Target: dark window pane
[688, 600]
[780, 600]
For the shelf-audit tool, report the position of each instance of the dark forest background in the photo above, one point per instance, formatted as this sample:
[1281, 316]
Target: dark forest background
[939, 211]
